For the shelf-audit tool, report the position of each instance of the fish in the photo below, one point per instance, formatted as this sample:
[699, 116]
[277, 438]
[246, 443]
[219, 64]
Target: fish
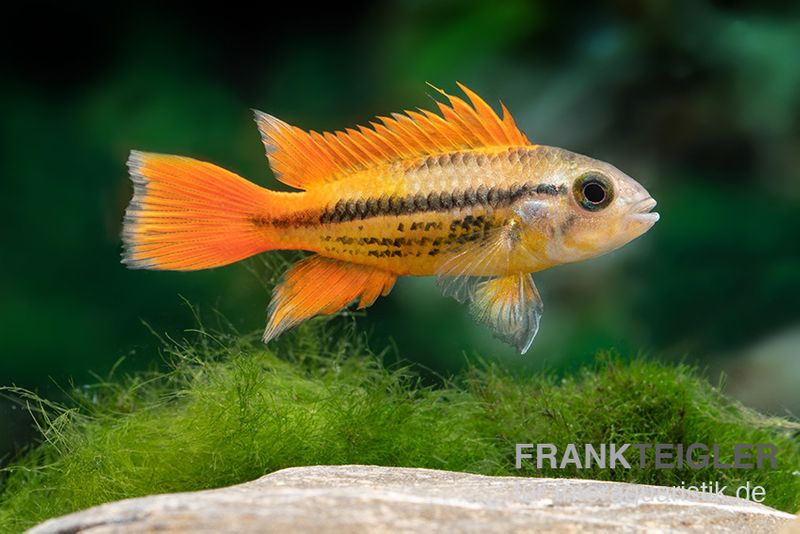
[461, 195]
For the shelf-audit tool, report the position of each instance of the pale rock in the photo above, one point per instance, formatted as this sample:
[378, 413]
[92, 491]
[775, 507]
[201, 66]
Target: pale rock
[358, 498]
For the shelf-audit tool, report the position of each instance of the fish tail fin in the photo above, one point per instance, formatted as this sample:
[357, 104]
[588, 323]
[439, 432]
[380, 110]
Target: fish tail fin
[187, 215]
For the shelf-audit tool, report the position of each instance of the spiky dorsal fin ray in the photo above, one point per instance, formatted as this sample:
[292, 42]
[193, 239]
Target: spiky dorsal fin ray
[302, 159]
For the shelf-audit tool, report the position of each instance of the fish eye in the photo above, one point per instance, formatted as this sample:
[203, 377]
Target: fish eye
[593, 191]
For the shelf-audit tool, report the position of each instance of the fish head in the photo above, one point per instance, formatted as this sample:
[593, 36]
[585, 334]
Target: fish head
[602, 209]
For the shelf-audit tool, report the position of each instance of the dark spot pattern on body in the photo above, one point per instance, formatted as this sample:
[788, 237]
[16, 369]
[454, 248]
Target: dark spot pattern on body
[351, 208]
[395, 205]
[459, 199]
[372, 207]
[302, 219]
[446, 200]
[259, 220]
[434, 201]
[463, 230]
[482, 194]
[347, 210]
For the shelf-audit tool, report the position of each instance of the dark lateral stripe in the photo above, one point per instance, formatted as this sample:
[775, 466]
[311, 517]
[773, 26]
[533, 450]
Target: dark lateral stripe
[494, 197]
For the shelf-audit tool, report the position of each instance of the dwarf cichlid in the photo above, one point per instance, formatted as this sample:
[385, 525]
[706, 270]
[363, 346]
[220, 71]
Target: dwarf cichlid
[463, 196]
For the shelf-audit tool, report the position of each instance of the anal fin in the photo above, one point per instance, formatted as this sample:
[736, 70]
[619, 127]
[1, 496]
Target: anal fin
[321, 286]
[510, 306]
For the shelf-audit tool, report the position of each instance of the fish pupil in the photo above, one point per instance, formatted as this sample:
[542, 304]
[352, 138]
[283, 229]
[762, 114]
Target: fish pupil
[594, 192]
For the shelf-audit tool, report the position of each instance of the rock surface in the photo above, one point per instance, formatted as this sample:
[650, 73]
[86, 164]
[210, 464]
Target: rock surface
[792, 527]
[388, 499]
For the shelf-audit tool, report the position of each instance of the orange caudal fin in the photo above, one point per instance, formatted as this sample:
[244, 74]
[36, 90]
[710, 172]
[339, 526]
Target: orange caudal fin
[322, 286]
[186, 215]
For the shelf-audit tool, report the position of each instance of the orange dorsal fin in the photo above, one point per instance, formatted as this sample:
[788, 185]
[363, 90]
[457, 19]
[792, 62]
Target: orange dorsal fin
[301, 159]
[322, 286]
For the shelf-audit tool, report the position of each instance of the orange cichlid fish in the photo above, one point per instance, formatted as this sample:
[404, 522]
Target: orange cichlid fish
[463, 196]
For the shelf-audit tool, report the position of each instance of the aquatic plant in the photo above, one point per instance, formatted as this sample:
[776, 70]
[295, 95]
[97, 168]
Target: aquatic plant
[228, 409]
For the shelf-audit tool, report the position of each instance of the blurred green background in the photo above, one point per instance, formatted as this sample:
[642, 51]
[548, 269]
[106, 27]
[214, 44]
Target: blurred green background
[699, 102]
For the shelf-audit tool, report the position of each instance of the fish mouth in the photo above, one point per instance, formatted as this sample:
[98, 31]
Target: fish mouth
[641, 211]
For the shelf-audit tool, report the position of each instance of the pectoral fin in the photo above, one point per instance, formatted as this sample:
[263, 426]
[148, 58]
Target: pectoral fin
[493, 252]
[322, 286]
[471, 261]
[510, 306]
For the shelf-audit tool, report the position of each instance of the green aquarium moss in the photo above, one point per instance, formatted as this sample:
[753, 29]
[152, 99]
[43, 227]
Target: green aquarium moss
[228, 410]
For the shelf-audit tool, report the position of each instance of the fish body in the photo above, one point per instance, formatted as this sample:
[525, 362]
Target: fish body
[406, 217]
[465, 197]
